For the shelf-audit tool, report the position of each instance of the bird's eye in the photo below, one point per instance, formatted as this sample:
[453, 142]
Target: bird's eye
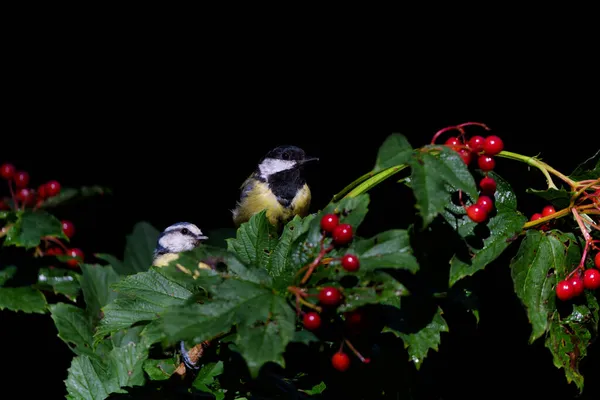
[285, 156]
[185, 231]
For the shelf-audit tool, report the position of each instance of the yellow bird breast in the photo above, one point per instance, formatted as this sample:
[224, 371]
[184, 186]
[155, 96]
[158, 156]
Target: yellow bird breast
[261, 198]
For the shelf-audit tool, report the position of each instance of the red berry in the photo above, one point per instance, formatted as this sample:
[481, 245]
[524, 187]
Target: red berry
[54, 251]
[329, 222]
[591, 279]
[76, 257]
[342, 234]
[25, 195]
[564, 290]
[355, 320]
[7, 171]
[311, 321]
[340, 361]
[476, 143]
[350, 263]
[477, 213]
[576, 285]
[453, 142]
[41, 192]
[21, 179]
[597, 260]
[493, 145]
[466, 155]
[486, 202]
[52, 188]
[68, 228]
[486, 163]
[4, 205]
[330, 296]
[488, 185]
[535, 217]
[547, 211]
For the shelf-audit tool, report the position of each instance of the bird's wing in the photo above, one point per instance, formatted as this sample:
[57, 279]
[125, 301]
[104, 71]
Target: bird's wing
[247, 186]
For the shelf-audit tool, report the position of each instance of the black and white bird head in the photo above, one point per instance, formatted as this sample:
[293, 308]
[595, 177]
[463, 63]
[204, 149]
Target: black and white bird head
[177, 238]
[281, 160]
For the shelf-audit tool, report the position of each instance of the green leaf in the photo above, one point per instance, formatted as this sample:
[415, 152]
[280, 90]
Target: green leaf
[255, 241]
[24, 299]
[139, 249]
[4, 214]
[90, 380]
[281, 266]
[502, 230]
[74, 327]
[389, 249]
[126, 363]
[437, 172]
[376, 179]
[317, 389]
[68, 194]
[113, 261]
[568, 340]
[375, 288]
[31, 227]
[160, 370]
[59, 281]
[589, 169]
[95, 284]
[304, 337]
[532, 271]
[558, 198]
[394, 151]
[205, 380]
[141, 297]
[265, 322]
[7, 273]
[419, 343]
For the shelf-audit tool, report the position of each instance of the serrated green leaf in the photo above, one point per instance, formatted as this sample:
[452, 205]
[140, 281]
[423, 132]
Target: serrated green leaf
[265, 322]
[532, 271]
[558, 198]
[419, 343]
[589, 169]
[160, 370]
[255, 241]
[7, 273]
[139, 249]
[25, 299]
[375, 288]
[74, 327]
[95, 284]
[141, 297]
[31, 227]
[67, 195]
[437, 172]
[281, 266]
[90, 380]
[126, 364]
[389, 249]
[59, 281]
[113, 261]
[395, 150]
[205, 380]
[317, 389]
[304, 337]
[502, 230]
[568, 340]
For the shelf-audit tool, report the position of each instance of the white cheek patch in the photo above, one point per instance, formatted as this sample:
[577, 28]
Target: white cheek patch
[176, 243]
[271, 166]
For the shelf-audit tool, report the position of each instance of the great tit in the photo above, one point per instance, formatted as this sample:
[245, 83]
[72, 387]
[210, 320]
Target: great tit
[177, 238]
[277, 185]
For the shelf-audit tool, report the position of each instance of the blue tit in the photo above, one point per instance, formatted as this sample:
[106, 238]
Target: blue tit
[177, 238]
[277, 185]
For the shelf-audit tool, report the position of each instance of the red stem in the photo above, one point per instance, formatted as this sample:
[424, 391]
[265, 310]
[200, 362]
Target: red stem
[459, 128]
[12, 195]
[315, 263]
[360, 357]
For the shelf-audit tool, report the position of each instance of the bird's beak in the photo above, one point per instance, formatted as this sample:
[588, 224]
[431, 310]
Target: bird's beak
[307, 160]
[201, 237]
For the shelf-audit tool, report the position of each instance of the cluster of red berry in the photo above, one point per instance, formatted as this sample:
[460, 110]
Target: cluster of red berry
[548, 210]
[26, 197]
[574, 286]
[329, 296]
[484, 148]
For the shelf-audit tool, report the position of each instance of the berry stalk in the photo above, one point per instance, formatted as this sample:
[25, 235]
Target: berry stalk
[542, 166]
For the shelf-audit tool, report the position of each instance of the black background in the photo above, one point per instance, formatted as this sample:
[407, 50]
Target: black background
[174, 134]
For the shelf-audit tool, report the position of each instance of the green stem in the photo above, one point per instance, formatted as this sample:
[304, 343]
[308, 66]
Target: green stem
[542, 166]
[375, 180]
[352, 185]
